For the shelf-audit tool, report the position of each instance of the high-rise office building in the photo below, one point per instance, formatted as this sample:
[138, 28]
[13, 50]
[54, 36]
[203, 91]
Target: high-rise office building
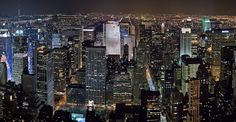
[3, 70]
[185, 42]
[56, 40]
[76, 94]
[162, 28]
[194, 101]
[112, 38]
[218, 38]
[168, 83]
[206, 24]
[150, 104]
[95, 78]
[75, 54]
[32, 59]
[130, 41]
[122, 89]
[45, 79]
[176, 105]
[59, 64]
[228, 70]
[189, 71]
[19, 63]
[6, 48]
[3, 80]
[89, 34]
[20, 44]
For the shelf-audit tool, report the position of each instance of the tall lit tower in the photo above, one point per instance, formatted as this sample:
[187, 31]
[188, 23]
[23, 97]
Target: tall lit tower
[6, 48]
[185, 42]
[112, 38]
[206, 24]
[45, 77]
[162, 28]
[194, 101]
[3, 70]
[95, 74]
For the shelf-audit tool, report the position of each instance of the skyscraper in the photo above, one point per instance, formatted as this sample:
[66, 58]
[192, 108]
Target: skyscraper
[112, 38]
[59, 68]
[194, 101]
[45, 79]
[130, 41]
[206, 24]
[185, 42]
[3, 70]
[3, 80]
[95, 74]
[6, 48]
[75, 53]
[122, 89]
[56, 40]
[219, 38]
[162, 28]
[150, 103]
[19, 63]
[189, 71]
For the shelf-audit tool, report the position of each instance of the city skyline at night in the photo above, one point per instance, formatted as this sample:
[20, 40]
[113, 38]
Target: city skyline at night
[117, 61]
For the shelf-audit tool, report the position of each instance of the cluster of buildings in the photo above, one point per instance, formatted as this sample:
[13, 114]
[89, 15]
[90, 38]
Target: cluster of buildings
[97, 67]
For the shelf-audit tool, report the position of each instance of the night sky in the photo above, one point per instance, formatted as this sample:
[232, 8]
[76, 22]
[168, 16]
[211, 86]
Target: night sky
[212, 7]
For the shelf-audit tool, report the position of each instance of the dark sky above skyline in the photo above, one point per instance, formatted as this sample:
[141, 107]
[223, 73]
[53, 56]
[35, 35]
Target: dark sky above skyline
[212, 7]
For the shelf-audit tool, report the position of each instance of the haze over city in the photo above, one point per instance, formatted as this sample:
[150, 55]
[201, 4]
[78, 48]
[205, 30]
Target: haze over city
[205, 7]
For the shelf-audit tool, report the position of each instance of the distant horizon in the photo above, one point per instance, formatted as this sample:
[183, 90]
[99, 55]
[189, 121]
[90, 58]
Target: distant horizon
[195, 7]
[116, 13]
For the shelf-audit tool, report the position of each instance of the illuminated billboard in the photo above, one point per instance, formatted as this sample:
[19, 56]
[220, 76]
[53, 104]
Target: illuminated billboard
[77, 117]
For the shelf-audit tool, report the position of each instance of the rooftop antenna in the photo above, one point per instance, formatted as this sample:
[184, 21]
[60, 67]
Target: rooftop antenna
[19, 8]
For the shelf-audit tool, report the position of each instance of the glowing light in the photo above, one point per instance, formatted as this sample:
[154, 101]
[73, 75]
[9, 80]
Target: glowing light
[3, 58]
[225, 31]
[149, 79]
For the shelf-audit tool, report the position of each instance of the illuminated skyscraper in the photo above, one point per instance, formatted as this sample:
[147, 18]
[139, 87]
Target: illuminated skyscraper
[185, 42]
[45, 79]
[130, 41]
[59, 63]
[95, 74]
[56, 41]
[89, 33]
[189, 71]
[194, 101]
[75, 54]
[228, 71]
[162, 28]
[3, 80]
[219, 38]
[150, 103]
[6, 48]
[3, 71]
[32, 43]
[122, 89]
[19, 63]
[206, 24]
[112, 38]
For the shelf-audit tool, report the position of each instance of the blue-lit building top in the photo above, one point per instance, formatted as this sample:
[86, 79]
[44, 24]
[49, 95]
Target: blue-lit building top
[32, 41]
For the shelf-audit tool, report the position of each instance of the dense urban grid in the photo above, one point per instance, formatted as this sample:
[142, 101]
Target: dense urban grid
[118, 68]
